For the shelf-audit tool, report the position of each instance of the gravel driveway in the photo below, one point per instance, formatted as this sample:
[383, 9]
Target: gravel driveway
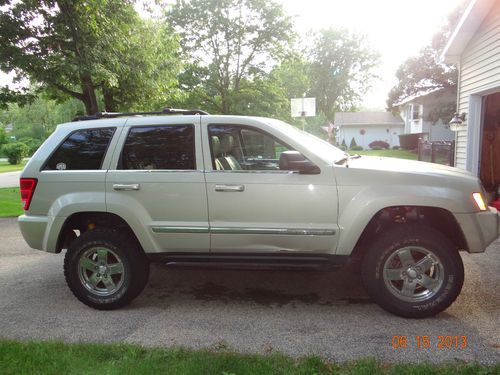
[297, 313]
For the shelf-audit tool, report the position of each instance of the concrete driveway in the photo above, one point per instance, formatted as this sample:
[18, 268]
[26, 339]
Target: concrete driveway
[9, 179]
[297, 313]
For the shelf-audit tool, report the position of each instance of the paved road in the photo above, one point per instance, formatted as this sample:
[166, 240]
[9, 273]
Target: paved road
[298, 313]
[9, 179]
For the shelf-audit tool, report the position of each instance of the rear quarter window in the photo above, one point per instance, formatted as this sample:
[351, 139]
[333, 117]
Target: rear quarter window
[81, 150]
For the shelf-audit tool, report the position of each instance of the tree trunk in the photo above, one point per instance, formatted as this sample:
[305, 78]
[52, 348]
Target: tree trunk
[89, 97]
[109, 102]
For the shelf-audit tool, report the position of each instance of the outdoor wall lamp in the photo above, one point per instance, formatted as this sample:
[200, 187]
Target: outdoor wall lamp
[457, 121]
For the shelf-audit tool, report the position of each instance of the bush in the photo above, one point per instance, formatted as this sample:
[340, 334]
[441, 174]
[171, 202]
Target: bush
[343, 147]
[379, 144]
[15, 152]
[356, 148]
[32, 143]
[396, 147]
[344, 144]
[353, 143]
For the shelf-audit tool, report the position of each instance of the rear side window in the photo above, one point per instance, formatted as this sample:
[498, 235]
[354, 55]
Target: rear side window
[159, 147]
[82, 150]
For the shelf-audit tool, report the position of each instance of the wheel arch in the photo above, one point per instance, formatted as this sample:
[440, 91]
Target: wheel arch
[90, 220]
[435, 217]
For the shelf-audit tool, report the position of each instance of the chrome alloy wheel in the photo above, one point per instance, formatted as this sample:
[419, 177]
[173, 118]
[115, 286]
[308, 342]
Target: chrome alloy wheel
[413, 274]
[101, 271]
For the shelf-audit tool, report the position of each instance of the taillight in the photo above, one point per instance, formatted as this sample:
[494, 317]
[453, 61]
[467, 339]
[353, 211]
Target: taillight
[27, 189]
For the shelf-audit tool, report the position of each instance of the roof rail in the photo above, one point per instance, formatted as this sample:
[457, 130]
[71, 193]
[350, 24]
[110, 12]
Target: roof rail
[165, 111]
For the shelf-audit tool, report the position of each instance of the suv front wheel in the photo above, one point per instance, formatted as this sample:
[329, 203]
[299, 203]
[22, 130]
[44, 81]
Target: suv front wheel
[413, 271]
[105, 269]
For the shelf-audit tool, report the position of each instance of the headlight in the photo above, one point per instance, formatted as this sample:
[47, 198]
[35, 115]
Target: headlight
[478, 198]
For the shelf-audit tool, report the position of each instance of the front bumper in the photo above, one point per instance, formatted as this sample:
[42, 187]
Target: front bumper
[480, 229]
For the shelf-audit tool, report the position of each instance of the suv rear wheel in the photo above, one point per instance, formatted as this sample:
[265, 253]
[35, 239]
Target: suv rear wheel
[105, 269]
[413, 271]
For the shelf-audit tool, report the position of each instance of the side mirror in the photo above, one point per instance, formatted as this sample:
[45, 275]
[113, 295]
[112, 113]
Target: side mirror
[295, 161]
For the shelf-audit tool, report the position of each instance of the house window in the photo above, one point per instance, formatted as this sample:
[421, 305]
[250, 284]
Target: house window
[415, 111]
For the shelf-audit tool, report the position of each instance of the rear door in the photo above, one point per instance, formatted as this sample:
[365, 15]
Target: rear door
[157, 182]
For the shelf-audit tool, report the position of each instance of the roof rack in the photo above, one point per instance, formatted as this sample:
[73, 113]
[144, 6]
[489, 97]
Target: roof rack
[165, 111]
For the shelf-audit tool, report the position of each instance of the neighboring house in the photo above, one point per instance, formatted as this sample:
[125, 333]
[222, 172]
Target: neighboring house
[418, 114]
[366, 127]
[475, 47]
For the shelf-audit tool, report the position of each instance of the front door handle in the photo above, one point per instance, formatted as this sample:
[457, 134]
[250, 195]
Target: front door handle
[233, 188]
[126, 186]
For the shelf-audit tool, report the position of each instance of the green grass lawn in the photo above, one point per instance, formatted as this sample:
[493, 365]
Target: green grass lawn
[10, 202]
[58, 358]
[401, 154]
[6, 167]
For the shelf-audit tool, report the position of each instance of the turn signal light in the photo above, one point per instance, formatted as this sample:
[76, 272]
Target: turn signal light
[478, 198]
[27, 189]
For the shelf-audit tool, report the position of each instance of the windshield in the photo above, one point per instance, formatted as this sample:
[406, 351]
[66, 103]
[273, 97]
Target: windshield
[322, 148]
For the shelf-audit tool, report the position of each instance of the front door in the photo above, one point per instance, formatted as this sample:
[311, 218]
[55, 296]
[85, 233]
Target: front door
[254, 206]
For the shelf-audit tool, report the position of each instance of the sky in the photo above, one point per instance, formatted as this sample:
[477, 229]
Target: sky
[397, 29]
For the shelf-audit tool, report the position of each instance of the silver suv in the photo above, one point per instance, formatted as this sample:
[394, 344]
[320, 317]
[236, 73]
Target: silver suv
[121, 191]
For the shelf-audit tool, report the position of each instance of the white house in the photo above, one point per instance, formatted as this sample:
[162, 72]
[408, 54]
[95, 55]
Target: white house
[366, 127]
[418, 112]
[475, 47]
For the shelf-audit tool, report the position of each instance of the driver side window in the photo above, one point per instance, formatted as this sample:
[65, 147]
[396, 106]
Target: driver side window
[243, 148]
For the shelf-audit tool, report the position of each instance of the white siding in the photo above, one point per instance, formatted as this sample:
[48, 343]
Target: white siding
[479, 71]
[372, 133]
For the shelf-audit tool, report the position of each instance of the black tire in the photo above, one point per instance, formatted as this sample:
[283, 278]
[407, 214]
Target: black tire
[125, 270]
[405, 288]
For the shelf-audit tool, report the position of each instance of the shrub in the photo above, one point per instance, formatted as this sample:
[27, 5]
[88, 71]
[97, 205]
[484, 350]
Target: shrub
[32, 143]
[396, 147]
[344, 144]
[15, 152]
[343, 148]
[379, 144]
[356, 148]
[353, 143]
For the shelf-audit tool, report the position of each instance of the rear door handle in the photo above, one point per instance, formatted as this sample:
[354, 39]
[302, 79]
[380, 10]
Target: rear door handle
[126, 186]
[228, 188]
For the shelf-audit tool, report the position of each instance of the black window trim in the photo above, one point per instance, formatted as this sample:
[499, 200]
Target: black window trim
[119, 164]
[42, 168]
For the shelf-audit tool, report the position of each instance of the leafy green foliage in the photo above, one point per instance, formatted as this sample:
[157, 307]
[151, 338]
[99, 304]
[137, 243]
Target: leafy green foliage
[15, 152]
[229, 43]
[3, 135]
[425, 73]
[341, 70]
[353, 143]
[38, 119]
[86, 49]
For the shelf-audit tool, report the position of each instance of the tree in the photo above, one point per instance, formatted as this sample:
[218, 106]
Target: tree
[86, 50]
[341, 70]
[229, 43]
[425, 72]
